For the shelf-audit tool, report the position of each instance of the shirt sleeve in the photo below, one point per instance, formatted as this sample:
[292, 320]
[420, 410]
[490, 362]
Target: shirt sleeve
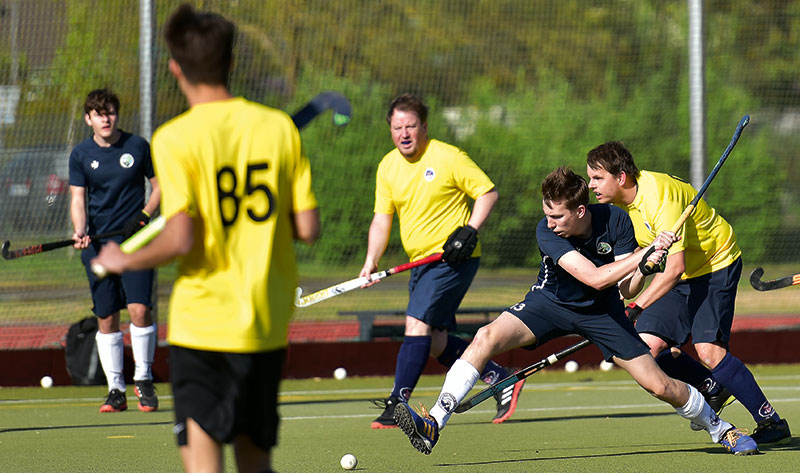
[469, 177]
[626, 239]
[302, 193]
[383, 192]
[173, 176]
[551, 244]
[76, 176]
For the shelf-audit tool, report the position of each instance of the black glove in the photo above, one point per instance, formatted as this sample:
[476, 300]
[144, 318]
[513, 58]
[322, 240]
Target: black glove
[646, 270]
[459, 245]
[632, 311]
[135, 225]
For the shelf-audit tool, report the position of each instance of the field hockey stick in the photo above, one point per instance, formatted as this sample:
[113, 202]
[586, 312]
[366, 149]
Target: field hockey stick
[759, 285]
[649, 266]
[321, 102]
[341, 288]
[42, 247]
[522, 374]
[335, 101]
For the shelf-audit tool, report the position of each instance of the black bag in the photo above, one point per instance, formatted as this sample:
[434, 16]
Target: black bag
[83, 363]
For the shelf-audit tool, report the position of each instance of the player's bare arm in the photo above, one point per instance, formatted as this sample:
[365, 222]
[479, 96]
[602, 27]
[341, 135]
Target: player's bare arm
[77, 211]
[663, 282]
[482, 208]
[377, 241]
[306, 226]
[155, 197]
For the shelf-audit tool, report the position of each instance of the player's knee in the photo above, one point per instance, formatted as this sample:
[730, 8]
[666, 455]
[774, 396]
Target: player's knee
[486, 338]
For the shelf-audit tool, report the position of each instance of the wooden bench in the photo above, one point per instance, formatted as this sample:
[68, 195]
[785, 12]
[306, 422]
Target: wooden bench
[469, 320]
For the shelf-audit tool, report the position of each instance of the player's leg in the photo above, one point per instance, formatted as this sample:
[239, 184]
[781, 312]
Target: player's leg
[435, 291]
[258, 413]
[144, 335]
[202, 453]
[715, 300]
[108, 301]
[667, 324]
[504, 333]
[688, 403]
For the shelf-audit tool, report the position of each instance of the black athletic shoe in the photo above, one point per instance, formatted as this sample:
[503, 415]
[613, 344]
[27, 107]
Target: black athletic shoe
[386, 419]
[770, 431]
[148, 401]
[115, 402]
[717, 402]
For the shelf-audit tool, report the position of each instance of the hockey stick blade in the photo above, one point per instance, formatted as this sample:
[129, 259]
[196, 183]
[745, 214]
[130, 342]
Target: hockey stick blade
[347, 286]
[759, 285]
[338, 103]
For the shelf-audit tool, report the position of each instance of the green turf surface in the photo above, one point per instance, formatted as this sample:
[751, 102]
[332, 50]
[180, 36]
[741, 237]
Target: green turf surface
[588, 421]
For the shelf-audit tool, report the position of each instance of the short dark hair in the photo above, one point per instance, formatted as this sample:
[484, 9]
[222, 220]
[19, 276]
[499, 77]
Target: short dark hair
[101, 100]
[408, 103]
[201, 43]
[563, 185]
[614, 158]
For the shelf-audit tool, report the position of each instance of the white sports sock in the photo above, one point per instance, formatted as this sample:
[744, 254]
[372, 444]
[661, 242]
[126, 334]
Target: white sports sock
[459, 381]
[109, 349]
[698, 411]
[143, 345]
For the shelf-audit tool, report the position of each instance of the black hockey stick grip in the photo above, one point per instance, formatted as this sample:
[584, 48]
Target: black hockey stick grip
[42, 247]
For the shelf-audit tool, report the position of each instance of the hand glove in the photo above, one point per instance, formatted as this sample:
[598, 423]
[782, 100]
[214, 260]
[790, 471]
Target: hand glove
[632, 311]
[659, 268]
[135, 225]
[459, 245]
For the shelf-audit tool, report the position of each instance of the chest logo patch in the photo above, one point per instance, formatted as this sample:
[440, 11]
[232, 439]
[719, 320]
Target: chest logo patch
[95, 164]
[647, 225]
[603, 248]
[429, 174]
[126, 160]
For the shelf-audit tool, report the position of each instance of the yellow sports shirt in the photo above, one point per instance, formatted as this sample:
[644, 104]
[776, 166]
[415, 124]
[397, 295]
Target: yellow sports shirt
[237, 168]
[430, 195]
[708, 242]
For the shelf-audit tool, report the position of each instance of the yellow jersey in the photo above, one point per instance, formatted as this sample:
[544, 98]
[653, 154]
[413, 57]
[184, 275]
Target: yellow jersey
[429, 194]
[237, 168]
[708, 240]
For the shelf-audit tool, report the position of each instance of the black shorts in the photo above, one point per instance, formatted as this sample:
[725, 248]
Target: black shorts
[436, 290]
[605, 324]
[227, 394]
[701, 307]
[114, 293]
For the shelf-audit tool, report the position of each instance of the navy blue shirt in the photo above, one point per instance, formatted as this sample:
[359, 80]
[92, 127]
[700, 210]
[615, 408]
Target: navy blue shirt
[612, 235]
[114, 179]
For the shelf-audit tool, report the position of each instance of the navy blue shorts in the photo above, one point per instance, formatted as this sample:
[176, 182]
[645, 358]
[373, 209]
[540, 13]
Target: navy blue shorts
[605, 325]
[701, 307]
[114, 293]
[227, 394]
[436, 290]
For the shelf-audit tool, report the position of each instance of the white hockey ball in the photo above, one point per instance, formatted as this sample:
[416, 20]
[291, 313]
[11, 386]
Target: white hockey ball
[606, 365]
[46, 382]
[348, 461]
[340, 373]
[571, 366]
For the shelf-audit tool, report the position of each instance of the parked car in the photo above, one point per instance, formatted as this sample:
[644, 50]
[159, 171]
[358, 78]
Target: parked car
[34, 190]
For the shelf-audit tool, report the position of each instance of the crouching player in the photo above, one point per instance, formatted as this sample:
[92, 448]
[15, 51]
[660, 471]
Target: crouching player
[586, 251]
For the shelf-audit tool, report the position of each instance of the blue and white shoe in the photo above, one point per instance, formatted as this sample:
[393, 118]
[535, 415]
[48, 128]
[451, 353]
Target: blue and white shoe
[422, 430]
[738, 442]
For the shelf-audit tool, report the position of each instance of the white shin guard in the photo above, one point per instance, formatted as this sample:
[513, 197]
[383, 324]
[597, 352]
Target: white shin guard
[109, 350]
[698, 411]
[143, 345]
[458, 383]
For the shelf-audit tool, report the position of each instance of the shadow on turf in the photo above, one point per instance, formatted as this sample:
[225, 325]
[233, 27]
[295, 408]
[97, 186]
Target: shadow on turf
[632, 415]
[88, 426]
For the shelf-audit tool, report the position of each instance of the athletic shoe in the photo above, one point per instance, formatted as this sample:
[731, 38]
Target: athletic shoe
[422, 430]
[771, 431]
[738, 442]
[148, 402]
[115, 402]
[507, 401]
[386, 419]
[717, 402]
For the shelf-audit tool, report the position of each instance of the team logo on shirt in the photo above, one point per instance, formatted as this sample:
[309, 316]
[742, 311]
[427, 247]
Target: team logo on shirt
[603, 248]
[126, 160]
[429, 174]
[95, 164]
